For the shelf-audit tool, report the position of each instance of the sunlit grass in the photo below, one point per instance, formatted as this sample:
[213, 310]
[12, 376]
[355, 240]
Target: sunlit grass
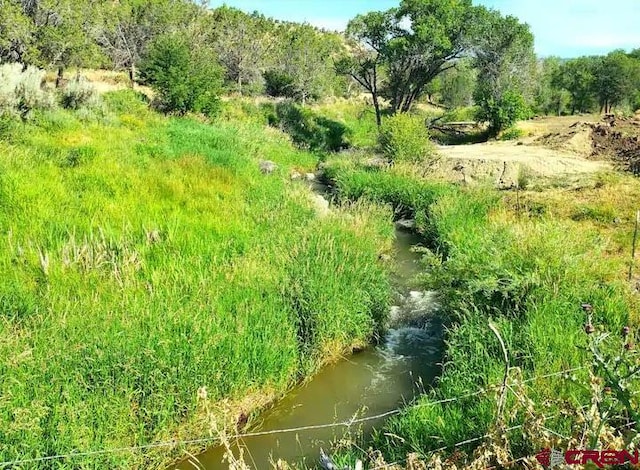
[144, 257]
[527, 263]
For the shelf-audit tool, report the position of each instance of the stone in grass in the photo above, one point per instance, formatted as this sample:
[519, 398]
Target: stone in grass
[267, 167]
[406, 224]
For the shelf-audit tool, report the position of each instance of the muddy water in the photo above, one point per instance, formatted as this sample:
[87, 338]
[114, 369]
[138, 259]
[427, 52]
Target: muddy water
[374, 381]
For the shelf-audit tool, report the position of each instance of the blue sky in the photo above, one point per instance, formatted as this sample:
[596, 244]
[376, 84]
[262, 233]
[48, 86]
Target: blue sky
[567, 28]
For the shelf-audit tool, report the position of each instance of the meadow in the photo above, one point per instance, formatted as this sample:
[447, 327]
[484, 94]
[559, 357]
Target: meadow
[146, 260]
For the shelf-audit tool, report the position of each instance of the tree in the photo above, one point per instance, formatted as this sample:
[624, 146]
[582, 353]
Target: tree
[458, 84]
[504, 57]
[186, 78]
[368, 35]
[307, 56]
[15, 32]
[577, 76]
[427, 36]
[63, 33]
[615, 80]
[131, 25]
[243, 43]
[550, 97]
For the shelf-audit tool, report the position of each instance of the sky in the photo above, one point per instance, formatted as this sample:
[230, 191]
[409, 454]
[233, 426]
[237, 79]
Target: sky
[565, 28]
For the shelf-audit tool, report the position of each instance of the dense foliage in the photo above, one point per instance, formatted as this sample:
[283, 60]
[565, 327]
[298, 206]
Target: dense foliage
[186, 79]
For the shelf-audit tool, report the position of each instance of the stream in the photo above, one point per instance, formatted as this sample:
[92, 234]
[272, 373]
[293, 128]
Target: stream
[377, 380]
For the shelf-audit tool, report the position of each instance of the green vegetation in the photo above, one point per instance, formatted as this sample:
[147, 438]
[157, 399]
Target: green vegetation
[186, 79]
[146, 257]
[405, 138]
[529, 273]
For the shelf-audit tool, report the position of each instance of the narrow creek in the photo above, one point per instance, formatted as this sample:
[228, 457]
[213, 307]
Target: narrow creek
[377, 380]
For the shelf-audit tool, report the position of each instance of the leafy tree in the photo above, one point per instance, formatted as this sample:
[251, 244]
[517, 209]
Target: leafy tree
[243, 43]
[550, 97]
[368, 35]
[185, 78]
[308, 56]
[427, 36]
[458, 84]
[504, 57]
[15, 32]
[616, 78]
[131, 25]
[62, 33]
[577, 76]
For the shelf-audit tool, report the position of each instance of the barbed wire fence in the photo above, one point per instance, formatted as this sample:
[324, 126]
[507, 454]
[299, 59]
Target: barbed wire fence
[345, 424]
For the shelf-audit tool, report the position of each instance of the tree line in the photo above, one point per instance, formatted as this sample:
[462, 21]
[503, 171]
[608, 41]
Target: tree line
[255, 54]
[452, 54]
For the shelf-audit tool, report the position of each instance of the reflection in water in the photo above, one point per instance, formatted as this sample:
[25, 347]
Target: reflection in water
[375, 381]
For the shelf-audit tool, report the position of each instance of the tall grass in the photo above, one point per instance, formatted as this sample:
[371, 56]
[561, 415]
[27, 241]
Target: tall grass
[144, 258]
[528, 273]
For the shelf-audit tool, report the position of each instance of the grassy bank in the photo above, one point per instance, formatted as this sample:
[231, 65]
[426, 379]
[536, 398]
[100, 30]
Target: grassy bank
[527, 264]
[146, 257]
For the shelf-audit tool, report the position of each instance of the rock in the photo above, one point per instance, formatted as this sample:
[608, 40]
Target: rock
[295, 175]
[384, 258]
[617, 220]
[321, 205]
[267, 167]
[407, 224]
[310, 177]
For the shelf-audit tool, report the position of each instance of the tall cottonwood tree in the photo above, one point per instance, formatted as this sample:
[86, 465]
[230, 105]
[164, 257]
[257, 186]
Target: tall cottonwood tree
[428, 35]
[504, 57]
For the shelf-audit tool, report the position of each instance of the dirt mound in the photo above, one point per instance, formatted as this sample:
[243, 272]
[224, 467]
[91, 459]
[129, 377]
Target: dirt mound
[612, 138]
[508, 164]
[576, 140]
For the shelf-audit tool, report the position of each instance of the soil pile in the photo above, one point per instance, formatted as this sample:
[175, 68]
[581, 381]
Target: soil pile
[612, 138]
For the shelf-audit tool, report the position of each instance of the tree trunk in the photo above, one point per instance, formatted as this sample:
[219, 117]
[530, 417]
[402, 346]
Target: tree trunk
[60, 77]
[376, 105]
[132, 76]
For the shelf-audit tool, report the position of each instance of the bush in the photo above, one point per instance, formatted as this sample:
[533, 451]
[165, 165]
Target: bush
[513, 133]
[77, 93]
[278, 83]
[504, 112]
[307, 129]
[185, 78]
[405, 137]
[21, 92]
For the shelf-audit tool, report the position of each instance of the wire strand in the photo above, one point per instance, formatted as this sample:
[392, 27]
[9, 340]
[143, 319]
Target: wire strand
[348, 424]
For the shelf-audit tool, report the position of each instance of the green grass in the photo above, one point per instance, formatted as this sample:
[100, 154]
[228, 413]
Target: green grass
[530, 275]
[145, 257]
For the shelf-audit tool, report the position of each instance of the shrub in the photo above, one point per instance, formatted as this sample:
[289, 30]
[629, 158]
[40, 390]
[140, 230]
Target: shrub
[185, 78]
[21, 91]
[307, 129]
[512, 133]
[278, 83]
[404, 137]
[77, 93]
[504, 112]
